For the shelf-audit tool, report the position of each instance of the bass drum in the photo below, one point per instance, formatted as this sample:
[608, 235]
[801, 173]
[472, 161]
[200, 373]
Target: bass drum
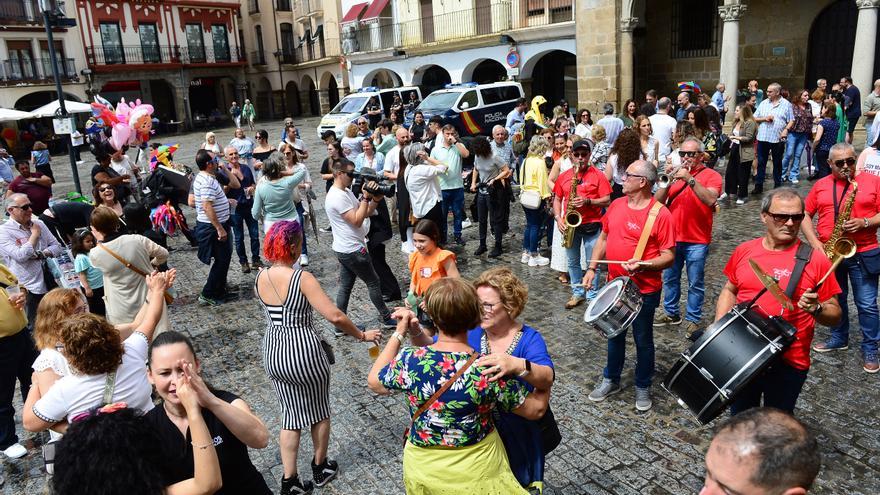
[730, 354]
[614, 308]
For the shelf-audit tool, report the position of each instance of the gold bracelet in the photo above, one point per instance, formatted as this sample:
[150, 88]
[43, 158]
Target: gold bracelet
[202, 447]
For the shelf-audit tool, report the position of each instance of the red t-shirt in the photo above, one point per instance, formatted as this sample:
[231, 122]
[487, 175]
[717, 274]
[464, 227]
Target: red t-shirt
[780, 264]
[692, 218]
[821, 199]
[623, 226]
[592, 184]
[39, 195]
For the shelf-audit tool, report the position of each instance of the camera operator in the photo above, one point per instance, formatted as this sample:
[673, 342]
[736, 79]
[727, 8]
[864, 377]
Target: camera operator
[349, 221]
[379, 232]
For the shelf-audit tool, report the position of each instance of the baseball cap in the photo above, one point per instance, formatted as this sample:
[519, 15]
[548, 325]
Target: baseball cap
[582, 143]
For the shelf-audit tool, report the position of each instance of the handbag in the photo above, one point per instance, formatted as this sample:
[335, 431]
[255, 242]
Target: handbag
[551, 437]
[431, 400]
[168, 297]
[871, 261]
[328, 350]
[530, 199]
[48, 276]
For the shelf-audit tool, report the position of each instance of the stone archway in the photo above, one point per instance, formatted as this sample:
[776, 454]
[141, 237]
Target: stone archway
[551, 74]
[430, 78]
[484, 71]
[382, 78]
[311, 104]
[291, 98]
[263, 101]
[32, 101]
[831, 43]
[328, 92]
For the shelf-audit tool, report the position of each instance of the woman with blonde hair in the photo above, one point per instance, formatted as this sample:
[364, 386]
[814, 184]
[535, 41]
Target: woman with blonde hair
[352, 142]
[742, 154]
[535, 186]
[452, 445]
[211, 144]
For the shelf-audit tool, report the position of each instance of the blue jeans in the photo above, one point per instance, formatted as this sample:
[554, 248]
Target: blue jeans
[573, 254]
[299, 211]
[864, 287]
[643, 334]
[780, 385]
[454, 199]
[763, 153]
[242, 217]
[221, 252]
[694, 256]
[534, 218]
[791, 162]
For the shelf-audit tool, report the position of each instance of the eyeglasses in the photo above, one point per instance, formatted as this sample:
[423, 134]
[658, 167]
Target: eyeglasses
[23, 207]
[783, 218]
[848, 161]
[688, 154]
[627, 175]
[489, 307]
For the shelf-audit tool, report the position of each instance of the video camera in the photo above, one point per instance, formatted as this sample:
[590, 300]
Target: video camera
[367, 175]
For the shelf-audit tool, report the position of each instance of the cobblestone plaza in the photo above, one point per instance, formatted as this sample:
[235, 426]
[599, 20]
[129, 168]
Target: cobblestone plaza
[607, 447]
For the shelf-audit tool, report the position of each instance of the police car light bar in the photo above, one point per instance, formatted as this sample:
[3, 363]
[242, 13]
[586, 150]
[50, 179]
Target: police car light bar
[461, 85]
[368, 89]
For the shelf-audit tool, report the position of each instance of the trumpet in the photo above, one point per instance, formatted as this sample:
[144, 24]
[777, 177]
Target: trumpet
[664, 179]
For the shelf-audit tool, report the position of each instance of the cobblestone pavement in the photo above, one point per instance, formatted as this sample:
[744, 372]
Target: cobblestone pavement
[607, 447]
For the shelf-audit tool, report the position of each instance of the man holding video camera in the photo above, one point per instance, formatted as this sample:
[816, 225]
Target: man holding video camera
[349, 217]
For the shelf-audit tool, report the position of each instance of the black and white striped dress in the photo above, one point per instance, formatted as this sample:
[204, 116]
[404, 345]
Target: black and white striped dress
[294, 360]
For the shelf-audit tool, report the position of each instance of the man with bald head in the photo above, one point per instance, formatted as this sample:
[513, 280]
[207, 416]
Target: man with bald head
[684, 106]
[643, 262]
[761, 451]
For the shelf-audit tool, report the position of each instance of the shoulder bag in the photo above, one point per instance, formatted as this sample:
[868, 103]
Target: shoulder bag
[528, 198]
[440, 391]
[168, 297]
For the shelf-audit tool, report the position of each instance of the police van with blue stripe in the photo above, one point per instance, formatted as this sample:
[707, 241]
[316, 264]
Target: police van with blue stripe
[354, 105]
[470, 107]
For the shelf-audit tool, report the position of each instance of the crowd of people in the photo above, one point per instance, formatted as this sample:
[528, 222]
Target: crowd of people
[631, 196]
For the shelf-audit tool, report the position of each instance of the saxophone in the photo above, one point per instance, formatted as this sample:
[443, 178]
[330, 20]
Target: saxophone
[572, 218]
[837, 245]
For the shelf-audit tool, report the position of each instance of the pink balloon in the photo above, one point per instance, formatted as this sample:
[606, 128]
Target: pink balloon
[120, 135]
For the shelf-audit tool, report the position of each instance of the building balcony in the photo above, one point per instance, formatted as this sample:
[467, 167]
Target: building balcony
[21, 12]
[124, 56]
[382, 34]
[253, 6]
[36, 71]
[317, 49]
[303, 9]
[258, 57]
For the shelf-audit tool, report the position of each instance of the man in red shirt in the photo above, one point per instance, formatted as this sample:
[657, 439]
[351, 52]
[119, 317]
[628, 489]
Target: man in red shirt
[782, 211]
[826, 199]
[691, 199]
[34, 185]
[593, 194]
[629, 215]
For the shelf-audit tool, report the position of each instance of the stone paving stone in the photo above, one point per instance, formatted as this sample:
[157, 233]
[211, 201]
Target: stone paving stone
[607, 448]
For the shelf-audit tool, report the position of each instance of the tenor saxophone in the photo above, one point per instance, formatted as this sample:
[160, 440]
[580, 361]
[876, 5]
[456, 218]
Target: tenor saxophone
[837, 244]
[572, 218]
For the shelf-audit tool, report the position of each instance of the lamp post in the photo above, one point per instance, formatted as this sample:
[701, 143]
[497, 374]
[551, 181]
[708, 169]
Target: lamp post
[51, 18]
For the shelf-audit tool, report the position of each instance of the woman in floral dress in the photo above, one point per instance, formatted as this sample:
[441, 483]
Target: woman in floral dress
[452, 447]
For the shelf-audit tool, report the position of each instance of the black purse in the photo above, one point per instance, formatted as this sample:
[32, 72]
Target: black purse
[328, 350]
[551, 437]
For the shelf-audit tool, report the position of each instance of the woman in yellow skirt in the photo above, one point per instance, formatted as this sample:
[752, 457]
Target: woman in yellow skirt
[452, 447]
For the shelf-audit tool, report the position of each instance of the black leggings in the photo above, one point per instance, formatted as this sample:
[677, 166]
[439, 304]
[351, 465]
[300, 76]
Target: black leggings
[736, 177]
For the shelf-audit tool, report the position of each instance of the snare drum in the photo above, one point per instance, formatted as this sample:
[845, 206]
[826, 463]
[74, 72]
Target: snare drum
[725, 359]
[615, 307]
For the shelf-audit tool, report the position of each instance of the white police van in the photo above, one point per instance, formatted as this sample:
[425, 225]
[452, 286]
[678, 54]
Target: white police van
[354, 105]
[470, 107]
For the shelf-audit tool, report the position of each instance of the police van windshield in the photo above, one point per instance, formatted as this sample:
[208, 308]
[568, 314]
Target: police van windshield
[439, 101]
[351, 104]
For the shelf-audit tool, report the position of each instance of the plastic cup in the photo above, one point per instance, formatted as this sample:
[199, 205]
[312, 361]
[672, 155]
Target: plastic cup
[374, 352]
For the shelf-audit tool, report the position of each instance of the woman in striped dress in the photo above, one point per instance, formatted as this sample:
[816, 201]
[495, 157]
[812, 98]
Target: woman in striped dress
[292, 353]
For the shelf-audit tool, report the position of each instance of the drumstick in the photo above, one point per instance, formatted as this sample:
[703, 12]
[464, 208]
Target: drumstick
[611, 262]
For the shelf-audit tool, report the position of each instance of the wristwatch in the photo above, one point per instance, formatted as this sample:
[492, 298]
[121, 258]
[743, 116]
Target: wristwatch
[866, 222]
[526, 371]
[691, 182]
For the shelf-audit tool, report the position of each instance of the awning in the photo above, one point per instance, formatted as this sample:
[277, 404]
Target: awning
[49, 109]
[10, 115]
[375, 9]
[353, 13]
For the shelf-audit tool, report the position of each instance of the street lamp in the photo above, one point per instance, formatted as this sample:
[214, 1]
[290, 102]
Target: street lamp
[55, 17]
[90, 93]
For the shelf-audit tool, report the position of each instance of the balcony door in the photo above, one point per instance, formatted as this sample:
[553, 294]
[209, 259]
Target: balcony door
[427, 20]
[21, 60]
[64, 65]
[111, 39]
[195, 43]
[221, 42]
[483, 17]
[149, 43]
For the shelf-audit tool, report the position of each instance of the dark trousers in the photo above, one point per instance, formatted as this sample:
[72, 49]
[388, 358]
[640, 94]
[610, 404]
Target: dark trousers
[387, 280]
[736, 178]
[221, 252]
[490, 208]
[300, 212]
[763, 152]
[96, 302]
[780, 386]
[822, 167]
[30, 308]
[242, 217]
[436, 216]
[358, 265]
[17, 353]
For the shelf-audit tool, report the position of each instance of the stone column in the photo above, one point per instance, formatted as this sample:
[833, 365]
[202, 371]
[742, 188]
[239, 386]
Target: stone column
[730, 14]
[597, 52]
[305, 102]
[324, 101]
[626, 59]
[863, 53]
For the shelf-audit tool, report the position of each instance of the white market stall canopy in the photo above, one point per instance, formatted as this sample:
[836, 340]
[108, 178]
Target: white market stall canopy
[50, 109]
[9, 115]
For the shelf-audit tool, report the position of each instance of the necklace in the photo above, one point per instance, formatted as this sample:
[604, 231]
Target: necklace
[485, 348]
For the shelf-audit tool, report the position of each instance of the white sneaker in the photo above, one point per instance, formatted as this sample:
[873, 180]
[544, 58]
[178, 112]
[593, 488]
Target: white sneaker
[740, 201]
[304, 260]
[15, 451]
[466, 223]
[794, 181]
[722, 197]
[524, 258]
[538, 260]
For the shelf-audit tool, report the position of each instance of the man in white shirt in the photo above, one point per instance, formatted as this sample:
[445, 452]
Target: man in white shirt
[422, 182]
[213, 211]
[611, 124]
[349, 223]
[663, 126]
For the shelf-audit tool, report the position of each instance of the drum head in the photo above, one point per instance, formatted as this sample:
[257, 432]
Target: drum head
[606, 298]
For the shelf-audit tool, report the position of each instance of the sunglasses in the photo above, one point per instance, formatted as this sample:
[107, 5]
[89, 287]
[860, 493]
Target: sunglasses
[783, 218]
[350, 173]
[102, 189]
[23, 207]
[582, 154]
[688, 154]
[848, 161]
